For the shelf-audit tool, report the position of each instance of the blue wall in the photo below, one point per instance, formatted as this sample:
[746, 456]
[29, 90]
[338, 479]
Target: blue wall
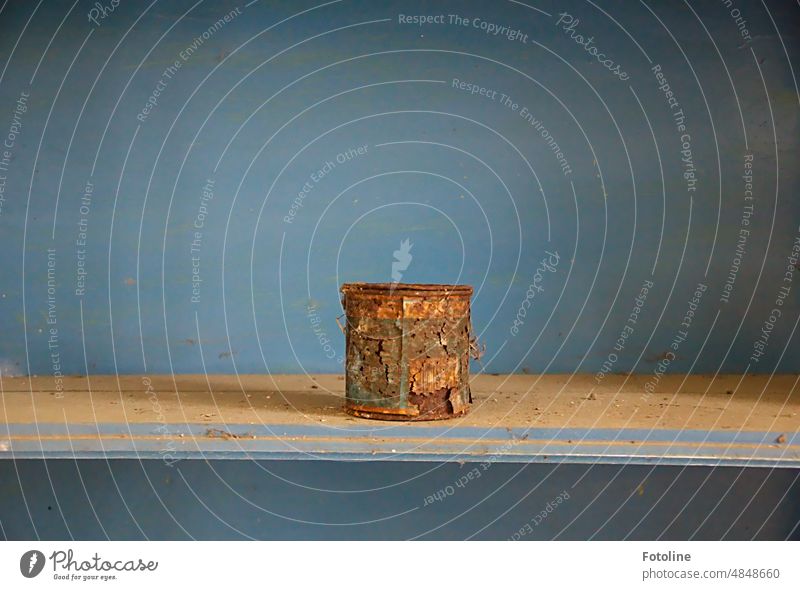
[332, 500]
[265, 100]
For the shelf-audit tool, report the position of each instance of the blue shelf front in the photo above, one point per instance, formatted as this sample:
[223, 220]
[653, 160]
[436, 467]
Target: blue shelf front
[400, 443]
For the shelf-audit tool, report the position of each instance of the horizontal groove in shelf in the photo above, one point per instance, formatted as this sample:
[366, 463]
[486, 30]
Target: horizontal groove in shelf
[148, 441]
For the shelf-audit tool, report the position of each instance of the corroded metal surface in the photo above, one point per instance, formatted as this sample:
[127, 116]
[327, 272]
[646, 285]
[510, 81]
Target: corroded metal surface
[408, 350]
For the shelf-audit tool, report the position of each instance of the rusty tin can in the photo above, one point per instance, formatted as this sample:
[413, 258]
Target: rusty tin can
[408, 349]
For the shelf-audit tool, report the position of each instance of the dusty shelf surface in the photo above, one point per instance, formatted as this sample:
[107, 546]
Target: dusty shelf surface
[677, 417]
[756, 403]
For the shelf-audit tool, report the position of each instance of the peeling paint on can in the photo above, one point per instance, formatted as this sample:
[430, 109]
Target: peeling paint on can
[408, 349]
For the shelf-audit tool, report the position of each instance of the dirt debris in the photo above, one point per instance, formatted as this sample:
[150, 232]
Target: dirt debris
[225, 435]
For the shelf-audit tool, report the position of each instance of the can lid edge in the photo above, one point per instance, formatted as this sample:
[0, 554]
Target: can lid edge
[398, 289]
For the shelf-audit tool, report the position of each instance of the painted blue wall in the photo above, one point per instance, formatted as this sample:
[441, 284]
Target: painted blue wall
[329, 500]
[265, 100]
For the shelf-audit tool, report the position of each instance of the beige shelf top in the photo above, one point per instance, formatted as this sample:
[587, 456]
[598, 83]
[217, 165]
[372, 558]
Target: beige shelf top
[678, 402]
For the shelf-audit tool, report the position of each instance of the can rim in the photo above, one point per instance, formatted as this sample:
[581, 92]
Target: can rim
[398, 289]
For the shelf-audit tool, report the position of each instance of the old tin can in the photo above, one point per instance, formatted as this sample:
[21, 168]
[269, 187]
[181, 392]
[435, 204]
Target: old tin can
[408, 349]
